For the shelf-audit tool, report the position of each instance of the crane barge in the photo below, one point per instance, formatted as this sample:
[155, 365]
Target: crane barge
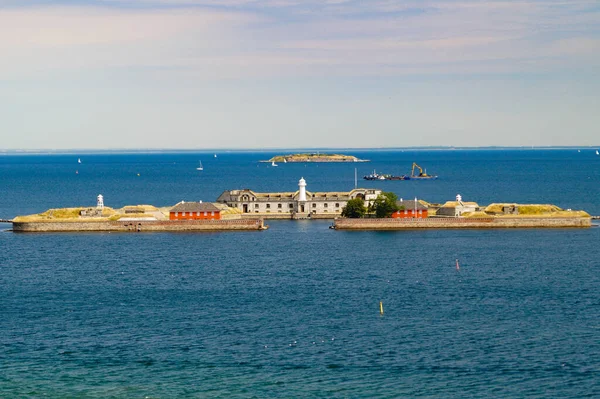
[422, 174]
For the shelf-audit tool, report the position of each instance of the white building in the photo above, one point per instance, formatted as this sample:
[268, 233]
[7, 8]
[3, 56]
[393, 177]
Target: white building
[298, 204]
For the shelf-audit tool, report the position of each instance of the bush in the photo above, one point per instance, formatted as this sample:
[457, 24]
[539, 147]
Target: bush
[385, 205]
[355, 208]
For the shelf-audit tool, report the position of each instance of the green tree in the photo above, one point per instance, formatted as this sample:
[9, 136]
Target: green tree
[385, 205]
[355, 208]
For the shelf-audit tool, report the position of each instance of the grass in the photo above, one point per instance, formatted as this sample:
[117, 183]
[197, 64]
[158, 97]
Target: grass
[529, 210]
[477, 214]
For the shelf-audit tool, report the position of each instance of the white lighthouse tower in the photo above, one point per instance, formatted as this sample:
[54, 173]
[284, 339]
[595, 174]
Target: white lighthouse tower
[302, 190]
[100, 203]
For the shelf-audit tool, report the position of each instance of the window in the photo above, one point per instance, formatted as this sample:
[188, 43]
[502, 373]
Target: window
[268, 206]
[278, 205]
[314, 205]
[256, 205]
[325, 205]
[291, 206]
[337, 205]
[176, 214]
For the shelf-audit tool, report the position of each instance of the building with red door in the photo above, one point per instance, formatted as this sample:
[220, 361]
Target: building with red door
[410, 209]
[194, 211]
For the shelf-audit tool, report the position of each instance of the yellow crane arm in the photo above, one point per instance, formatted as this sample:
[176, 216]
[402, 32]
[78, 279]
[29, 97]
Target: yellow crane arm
[416, 166]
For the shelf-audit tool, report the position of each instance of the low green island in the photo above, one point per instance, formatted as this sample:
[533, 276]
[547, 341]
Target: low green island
[315, 157]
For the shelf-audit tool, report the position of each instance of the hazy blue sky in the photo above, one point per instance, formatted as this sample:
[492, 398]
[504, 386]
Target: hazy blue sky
[298, 73]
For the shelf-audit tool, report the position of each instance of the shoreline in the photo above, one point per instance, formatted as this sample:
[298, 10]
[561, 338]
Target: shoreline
[140, 225]
[462, 223]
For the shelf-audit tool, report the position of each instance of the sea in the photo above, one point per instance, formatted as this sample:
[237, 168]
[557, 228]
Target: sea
[294, 311]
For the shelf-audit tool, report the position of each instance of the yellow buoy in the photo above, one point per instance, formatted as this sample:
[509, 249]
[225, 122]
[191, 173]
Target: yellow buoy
[380, 307]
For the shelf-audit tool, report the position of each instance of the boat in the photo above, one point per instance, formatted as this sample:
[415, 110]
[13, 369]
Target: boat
[215, 155]
[273, 163]
[79, 160]
[284, 160]
[597, 153]
[200, 167]
[376, 176]
[422, 174]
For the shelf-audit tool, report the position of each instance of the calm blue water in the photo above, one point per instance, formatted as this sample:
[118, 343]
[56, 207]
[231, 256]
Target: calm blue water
[294, 311]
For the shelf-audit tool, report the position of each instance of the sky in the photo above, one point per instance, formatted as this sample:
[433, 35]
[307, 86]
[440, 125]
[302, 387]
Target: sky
[203, 74]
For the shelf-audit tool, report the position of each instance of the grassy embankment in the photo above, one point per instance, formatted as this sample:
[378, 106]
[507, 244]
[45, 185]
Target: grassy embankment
[73, 214]
[527, 210]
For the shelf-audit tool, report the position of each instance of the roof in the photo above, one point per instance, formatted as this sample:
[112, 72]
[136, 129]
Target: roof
[410, 204]
[454, 204]
[225, 196]
[194, 207]
[236, 195]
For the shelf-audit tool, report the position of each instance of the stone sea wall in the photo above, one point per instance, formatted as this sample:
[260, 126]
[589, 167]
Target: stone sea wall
[141, 225]
[459, 223]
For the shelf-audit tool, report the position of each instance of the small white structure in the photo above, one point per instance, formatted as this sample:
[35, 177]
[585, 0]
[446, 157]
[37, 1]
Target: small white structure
[458, 198]
[100, 203]
[302, 189]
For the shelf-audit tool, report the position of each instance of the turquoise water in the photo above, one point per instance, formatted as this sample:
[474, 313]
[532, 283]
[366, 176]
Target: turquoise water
[294, 311]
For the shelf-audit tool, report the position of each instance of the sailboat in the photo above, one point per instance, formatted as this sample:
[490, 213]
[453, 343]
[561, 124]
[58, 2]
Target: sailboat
[284, 161]
[273, 163]
[78, 160]
[200, 167]
[597, 153]
[215, 155]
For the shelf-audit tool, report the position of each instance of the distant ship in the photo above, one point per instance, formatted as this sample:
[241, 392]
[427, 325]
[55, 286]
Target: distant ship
[215, 155]
[274, 164]
[376, 176]
[422, 174]
[597, 153]
[200, 167]
[79, 159]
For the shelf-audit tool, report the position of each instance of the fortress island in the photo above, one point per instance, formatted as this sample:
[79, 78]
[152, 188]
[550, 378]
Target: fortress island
[314, 157]
[245, 209]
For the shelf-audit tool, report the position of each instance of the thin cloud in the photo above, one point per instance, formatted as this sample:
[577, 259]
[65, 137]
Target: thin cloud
[239, 38]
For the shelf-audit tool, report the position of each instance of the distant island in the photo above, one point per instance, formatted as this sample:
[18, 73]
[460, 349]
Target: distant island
[315, 157]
